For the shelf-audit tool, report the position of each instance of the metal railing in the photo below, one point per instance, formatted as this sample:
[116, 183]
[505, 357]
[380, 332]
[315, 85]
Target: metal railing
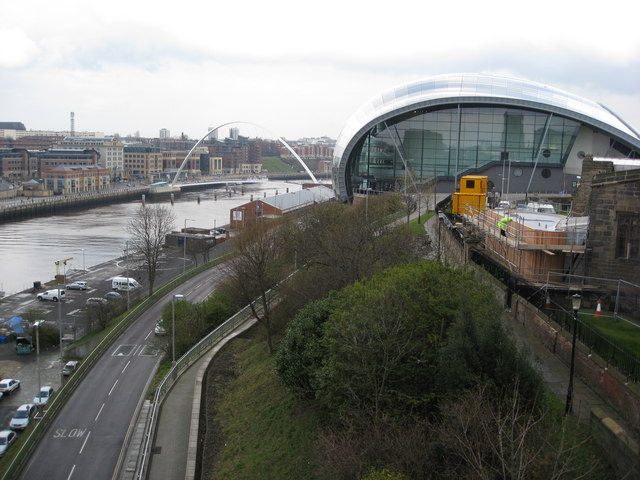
[613, 355]
[188, 359]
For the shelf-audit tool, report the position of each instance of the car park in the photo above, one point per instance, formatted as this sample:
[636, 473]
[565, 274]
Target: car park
[96, 301]
[70, 367]
[54, 295]
[43, 396]
[7, 437]
[9, 385]
[77, 286]
[23, 416]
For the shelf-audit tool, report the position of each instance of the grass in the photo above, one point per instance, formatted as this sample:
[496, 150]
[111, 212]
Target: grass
[276, 165]
[266, 431]
[418, 228]
[621, 333]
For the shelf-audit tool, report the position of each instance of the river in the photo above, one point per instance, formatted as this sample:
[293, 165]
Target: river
[29, 248]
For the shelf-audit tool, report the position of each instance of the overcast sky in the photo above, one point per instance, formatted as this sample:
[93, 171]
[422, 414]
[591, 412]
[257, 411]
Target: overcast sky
[298, 68]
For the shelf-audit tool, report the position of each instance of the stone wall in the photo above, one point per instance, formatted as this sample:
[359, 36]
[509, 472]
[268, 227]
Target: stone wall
[612, 194]
[581, 198]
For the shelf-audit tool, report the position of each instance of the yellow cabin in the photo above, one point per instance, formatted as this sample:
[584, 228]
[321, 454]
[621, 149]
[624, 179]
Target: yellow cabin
[472, 196]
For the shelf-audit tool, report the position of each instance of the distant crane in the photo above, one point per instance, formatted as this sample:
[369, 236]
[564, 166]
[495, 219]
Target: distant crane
[61, 262]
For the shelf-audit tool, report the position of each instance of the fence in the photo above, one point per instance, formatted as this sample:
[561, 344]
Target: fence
[615, 356]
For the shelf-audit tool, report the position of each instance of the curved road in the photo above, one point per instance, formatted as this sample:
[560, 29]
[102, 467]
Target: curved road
[87, 438]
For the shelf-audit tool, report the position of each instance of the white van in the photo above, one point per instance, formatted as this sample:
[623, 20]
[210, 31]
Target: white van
[123, 284]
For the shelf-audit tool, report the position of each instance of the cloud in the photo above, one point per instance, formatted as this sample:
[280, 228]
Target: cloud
[18, 50]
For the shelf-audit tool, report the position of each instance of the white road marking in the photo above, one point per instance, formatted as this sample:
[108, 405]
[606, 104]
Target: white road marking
[71, 472]
[125, 367]
[99, 412]
[114, 386]
[84, 443]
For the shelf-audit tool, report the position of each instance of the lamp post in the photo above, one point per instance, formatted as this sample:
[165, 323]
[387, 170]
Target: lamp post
[575, 304]
[184, 251]
[37, 327]
[126, 247]
[176, 296]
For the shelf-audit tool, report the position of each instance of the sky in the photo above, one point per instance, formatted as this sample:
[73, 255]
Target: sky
[298, 69]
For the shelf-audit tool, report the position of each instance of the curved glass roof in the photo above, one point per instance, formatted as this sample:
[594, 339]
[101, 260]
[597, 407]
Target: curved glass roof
[480, 88]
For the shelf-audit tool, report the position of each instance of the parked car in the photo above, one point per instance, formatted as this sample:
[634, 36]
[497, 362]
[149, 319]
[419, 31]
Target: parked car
[112, 295]
[9, 385]
[96, 301]
[54, 295]
[77, 286]
[7, 437]
[23, 416]
[70, 367]
[43, 396]
[159, 329]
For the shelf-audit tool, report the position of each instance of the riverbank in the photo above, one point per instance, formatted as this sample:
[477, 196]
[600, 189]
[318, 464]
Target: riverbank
[27, 207]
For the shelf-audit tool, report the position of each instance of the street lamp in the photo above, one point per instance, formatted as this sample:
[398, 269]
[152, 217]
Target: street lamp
[37, 327]
[126, 252]
[184, 251]
[575, 304]
[176, 296]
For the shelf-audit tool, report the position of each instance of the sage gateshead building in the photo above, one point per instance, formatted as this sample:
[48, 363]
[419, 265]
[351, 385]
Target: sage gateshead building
[525, 136]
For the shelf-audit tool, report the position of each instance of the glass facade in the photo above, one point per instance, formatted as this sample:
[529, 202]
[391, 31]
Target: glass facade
[452, 141]
[451, 124]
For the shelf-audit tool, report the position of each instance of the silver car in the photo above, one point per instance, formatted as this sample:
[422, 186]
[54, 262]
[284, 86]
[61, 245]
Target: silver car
[23, 416]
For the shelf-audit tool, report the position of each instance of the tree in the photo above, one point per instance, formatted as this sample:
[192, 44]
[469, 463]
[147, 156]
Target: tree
[485, 437]
[148, 229]
[335, 245]
[385, 335]
[255, 269]
[301, 351]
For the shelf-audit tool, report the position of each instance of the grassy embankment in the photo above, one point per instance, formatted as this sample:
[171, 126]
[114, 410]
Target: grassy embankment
[273, 165]
[267, 432]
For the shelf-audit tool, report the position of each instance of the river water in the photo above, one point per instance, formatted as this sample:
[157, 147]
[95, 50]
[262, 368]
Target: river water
[29, 248]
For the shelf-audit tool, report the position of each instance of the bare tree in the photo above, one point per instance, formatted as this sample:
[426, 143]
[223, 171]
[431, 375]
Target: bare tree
[148, 229]
[255, 269]
[491, 439]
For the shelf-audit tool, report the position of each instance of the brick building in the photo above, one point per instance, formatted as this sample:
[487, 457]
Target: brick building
[64, 179]
[278, 205]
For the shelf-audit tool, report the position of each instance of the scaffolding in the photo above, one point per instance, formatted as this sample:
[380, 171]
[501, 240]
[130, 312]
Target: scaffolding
[538, 255]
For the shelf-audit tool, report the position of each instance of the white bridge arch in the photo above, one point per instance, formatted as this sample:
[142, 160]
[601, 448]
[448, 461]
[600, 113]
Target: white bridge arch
[280, 139]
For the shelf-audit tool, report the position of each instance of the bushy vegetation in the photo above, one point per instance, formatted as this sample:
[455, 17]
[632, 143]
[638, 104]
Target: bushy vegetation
[405, 365]
[194, 321]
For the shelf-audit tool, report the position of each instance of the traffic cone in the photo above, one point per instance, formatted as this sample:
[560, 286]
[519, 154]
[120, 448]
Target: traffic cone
[547, 302]
[599, 309]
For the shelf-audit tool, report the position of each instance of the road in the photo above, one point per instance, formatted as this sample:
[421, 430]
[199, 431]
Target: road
[87, 438]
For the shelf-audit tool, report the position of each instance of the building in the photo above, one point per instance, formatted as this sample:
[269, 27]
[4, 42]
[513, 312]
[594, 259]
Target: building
[173, 159]
[278, 205]
[526, 137]
[64, 179]
[241, 156]
[165, 134]
[23, 164]
[614, 229]
[142, 162]
[110, 151]
[11, 129]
